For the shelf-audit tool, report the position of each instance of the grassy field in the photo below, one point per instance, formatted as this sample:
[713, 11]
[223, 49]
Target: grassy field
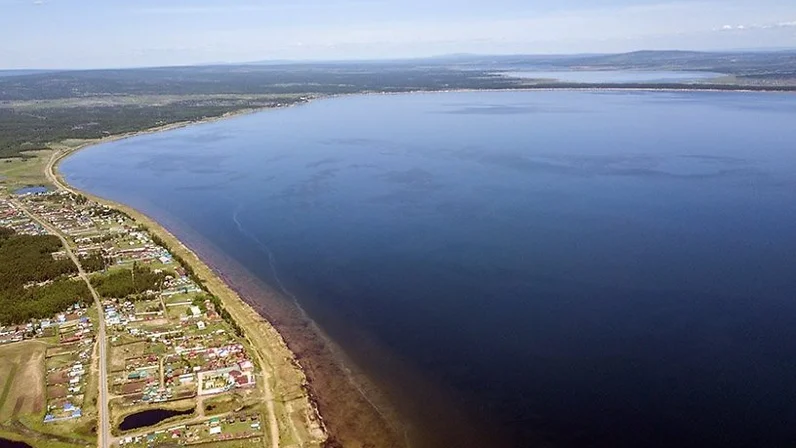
[19, 172]
[22, 399]
[33, 440]
[22, 369]
[234, 443]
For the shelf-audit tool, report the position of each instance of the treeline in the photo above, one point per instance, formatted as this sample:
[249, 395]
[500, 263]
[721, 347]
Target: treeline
[181, 261]
[42, 301]
[28, 258]
[128, 283]
[225, 314]
[206, 92]
[248, 80]
[199, 301]
[32, 283]
[27, 130]
[93, 262]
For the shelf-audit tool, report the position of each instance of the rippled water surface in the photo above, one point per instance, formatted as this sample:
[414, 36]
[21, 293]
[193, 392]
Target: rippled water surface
[573, 269]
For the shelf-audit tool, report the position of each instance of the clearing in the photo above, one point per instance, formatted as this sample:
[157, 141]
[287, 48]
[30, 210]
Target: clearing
[22, 373]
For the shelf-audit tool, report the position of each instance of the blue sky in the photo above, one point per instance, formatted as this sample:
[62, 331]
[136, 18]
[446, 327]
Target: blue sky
[123, 33]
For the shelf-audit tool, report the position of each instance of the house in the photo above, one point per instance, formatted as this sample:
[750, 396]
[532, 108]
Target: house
[195, 311]
[246, 365]
[243, 381]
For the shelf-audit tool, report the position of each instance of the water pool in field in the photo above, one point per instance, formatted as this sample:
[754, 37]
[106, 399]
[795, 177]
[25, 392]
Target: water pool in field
[149, 417]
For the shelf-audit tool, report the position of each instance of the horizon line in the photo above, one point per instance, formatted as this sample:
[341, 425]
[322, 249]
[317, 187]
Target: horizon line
[397, 59]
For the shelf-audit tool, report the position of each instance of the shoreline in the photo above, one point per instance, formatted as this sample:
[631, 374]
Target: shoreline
[278, 362]
[260, 323]
[254, 317]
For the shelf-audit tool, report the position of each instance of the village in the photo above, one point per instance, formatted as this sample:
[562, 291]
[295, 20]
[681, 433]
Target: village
[173, 351]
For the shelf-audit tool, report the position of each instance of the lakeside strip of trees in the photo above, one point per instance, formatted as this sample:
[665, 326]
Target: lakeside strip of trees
[191, 274]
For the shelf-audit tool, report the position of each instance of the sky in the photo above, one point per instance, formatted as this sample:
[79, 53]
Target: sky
[67, 34]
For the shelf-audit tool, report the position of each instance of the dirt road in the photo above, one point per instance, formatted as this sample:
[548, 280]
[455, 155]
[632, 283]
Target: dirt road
[104, 430]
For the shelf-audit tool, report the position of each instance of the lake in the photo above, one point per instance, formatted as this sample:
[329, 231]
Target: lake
[565, 269]
[616, 76]
[36, 189]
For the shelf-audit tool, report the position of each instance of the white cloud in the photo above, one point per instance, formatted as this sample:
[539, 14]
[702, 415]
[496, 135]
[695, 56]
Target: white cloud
[756, 26]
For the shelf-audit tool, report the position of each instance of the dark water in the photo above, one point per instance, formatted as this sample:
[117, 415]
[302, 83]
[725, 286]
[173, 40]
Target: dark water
[31, 190]
[5, 443]
[576, 269]
[149, 417]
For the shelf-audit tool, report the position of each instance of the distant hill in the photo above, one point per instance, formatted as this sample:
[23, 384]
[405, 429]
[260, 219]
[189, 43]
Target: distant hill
[8, 73]
[735, 62]
[742, 63]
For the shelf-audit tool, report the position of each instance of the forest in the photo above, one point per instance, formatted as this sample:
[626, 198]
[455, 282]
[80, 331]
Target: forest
[93, 262]
[128, 283]
[42, 108]
[28, 130]
[33, 284]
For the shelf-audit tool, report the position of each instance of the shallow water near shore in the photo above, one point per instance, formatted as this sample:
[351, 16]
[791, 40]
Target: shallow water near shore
[570, 269]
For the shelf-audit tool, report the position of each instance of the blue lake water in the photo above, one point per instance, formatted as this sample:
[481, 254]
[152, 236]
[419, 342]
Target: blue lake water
[616, 76]
[574, 269]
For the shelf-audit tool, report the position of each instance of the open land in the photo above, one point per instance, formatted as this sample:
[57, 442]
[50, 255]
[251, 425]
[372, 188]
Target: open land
[178, 337]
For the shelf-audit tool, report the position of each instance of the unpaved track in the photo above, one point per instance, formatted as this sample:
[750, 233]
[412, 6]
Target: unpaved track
[104, 433]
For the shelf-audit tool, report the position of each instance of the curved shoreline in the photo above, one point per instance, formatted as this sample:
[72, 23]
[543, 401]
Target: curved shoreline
[277, 361]
[230, 291]
[383, 427]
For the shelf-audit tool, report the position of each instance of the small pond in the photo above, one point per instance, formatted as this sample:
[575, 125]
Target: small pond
[36, 189]
[5, 443]
[149, 418]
